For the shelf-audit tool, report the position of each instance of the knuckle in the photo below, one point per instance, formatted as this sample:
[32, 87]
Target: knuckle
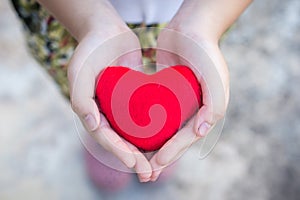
[161, 161]
[75, 106]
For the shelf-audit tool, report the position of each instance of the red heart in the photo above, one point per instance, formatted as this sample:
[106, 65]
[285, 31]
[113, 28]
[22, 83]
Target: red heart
[147, 110]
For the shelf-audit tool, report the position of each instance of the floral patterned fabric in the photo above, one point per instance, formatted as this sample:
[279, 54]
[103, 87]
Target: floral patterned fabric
[52, 45]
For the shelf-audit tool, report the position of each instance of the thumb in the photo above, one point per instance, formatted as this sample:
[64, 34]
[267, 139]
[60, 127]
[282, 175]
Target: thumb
[82, 86]
[203, 121]
[213, 108]
[87, 111]
[206, 118]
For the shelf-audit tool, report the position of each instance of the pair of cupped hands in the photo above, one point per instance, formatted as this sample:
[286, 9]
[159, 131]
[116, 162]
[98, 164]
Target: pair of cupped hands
[121, 47]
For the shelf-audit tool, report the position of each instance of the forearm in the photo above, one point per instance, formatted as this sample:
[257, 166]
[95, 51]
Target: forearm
[81, 17]
[210, 17]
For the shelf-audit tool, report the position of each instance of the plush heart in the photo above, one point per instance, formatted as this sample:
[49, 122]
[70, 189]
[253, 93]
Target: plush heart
[147, 110]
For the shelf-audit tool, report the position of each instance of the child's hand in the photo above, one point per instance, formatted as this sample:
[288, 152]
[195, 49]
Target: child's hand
[94, 52]
[191, 39]
[208, 64]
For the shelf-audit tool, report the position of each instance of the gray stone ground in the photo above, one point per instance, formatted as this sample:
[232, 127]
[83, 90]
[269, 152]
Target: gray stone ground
[257, 157]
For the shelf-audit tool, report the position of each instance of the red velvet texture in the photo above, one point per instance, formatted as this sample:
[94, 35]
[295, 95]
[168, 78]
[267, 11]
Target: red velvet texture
[144, 97]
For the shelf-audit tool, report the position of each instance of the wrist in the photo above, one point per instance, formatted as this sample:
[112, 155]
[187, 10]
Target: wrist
[102, 33]
[199, 33]
[197, 26]
[81, 18]
[102, 28]
[207, 19]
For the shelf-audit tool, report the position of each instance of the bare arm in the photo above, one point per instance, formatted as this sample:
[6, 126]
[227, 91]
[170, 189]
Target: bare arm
[93, 23]
[204, 21]
[81, 17]
[211, 18]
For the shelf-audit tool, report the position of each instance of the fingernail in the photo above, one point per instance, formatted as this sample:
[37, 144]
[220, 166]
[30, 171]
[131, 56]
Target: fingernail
[144, 180]
[154, 179]
[203, 129]
[155, 176]
[90, 122]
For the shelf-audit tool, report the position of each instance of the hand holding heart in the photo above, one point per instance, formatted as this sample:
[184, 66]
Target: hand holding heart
[205, 58]
[92, 55]
[86, 65]
[147, 110]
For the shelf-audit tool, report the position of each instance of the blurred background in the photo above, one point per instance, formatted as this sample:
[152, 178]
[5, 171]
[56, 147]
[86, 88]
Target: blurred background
[257, 157]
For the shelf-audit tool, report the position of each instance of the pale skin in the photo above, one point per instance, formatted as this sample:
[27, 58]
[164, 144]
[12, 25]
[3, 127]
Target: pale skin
[94, 22]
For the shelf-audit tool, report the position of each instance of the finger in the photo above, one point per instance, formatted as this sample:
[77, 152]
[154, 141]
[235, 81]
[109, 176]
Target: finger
[175, 147]
[142, 166]
[82, 99]
[113, 143]
[204, 121]
[207, 117]
[213, 108]
[82, 82]
[157, 168]
[172, 150]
